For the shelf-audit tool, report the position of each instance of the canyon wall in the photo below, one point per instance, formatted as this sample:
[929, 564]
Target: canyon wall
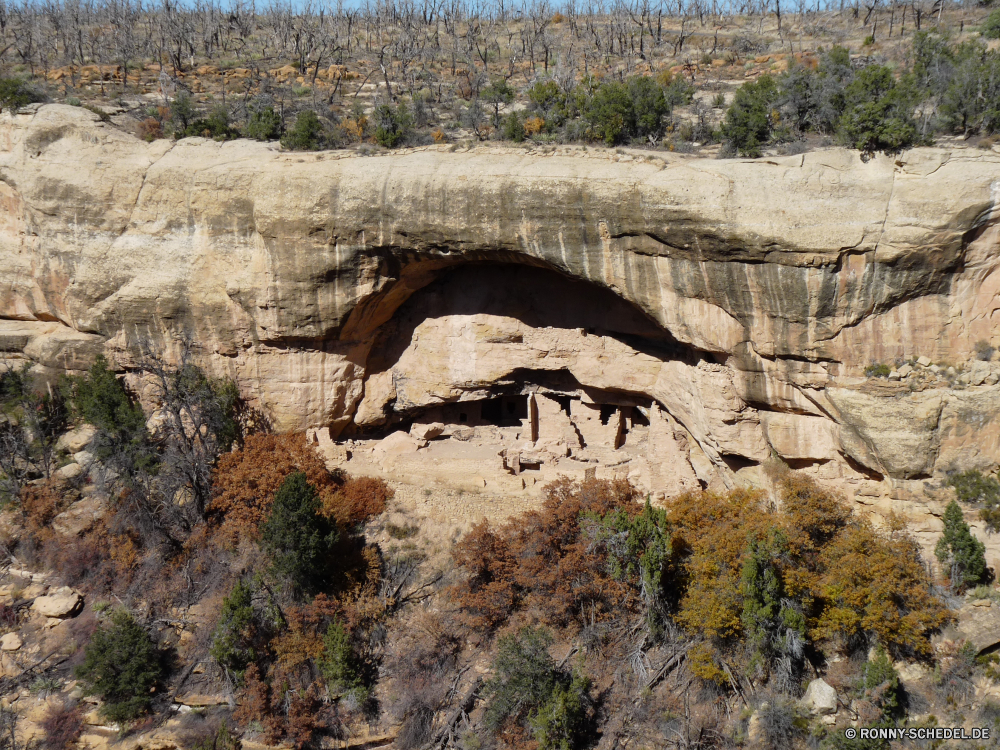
[728, 308]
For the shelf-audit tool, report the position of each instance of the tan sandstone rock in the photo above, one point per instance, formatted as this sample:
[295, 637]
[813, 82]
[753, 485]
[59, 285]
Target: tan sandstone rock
[76, 439]
[398, 442]
[80, 517]
[60, 603]
[742, 298]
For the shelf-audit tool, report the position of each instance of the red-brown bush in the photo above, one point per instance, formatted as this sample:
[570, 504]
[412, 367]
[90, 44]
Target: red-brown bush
[358, 500]
[63, 725]
[541, 561]
[40, 503]
[305, 717]
[84, 562]
[245, 480]
[253, 704]
[149, 129]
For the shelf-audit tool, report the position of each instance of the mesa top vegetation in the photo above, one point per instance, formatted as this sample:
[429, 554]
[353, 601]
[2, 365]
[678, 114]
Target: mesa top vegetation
[728, 78]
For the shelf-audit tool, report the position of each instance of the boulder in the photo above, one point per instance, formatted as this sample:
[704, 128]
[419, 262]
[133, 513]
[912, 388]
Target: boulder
[10, 642]
[85, 459]
[426, 431]
[977, 625]
[80, 517]
[903, 431]
[924, 361]
[77, 439]
[904, 371]
[797, 436]
[820, 698]
[978, 372]
[397, 443]
[69, 471]
[60, 603]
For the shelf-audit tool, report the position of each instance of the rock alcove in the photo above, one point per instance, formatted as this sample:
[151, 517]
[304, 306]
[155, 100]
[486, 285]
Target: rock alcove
[542, 370]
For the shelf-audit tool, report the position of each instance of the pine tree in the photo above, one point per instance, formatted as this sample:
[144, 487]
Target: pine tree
[298, 539]
[961, 554]
[772, 625]
[232, 644]
[121, 666]
[338, 663]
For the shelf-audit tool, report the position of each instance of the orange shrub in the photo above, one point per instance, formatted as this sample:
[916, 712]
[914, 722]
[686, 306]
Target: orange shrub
[851, 580]
[245, 480]
[124, 553]
[664, 78]
[358, 500]
[302, 640]
[356, 130]
[533, 126]
[253, 704]
[305, 717]
[844, 581]
[872, 582]
[712, 531]
[40, 503]
[541, 560]
[149, 129]
[490, 594]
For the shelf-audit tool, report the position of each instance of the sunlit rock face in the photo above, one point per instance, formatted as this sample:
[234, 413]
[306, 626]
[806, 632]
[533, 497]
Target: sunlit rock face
[704, 315]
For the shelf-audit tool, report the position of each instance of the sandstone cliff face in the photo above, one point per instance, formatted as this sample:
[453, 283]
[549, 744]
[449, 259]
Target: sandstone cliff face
[738, 302]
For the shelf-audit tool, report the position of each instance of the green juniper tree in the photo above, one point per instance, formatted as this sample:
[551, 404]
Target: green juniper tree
[639, 552]
[298, 539]
[878, 110]
[338, 663]
[499, 93]
[263, 123]
[773, 625]
[750, 118]
[558, 723]
[392, 124]
[121, 666]
[526, 683]
[961, 555]
[232, 643]
[523, 675]
[610, 113]
[15, 93]
[306, 134]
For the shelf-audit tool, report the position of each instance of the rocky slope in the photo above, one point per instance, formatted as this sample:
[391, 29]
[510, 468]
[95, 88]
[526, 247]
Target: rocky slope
[730, 307]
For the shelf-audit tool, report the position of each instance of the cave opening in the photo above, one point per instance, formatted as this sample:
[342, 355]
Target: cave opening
[433, 347]
[530, 368]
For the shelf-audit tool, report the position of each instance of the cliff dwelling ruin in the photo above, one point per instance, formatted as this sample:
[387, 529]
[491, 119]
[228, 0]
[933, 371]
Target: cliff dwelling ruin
[506, 376]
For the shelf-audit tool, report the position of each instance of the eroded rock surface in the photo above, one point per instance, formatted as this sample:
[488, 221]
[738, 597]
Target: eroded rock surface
[60, 603]
[699, 315]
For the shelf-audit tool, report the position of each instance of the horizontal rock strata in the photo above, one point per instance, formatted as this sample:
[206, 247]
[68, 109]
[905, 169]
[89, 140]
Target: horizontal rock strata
[726, 310]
